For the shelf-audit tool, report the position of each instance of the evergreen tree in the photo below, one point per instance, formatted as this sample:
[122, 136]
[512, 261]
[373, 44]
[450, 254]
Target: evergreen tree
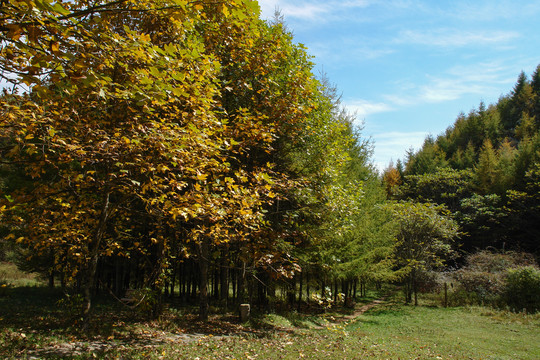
[486, 169]
[535, 86]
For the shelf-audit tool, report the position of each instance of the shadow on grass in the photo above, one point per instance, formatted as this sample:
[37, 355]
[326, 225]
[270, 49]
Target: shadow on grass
[43, 322]
[48, 310]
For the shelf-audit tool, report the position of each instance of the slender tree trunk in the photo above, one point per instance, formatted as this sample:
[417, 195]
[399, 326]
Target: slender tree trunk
[241, 288]
[224, 277]
[173, 279]
[308, 290]
[118, 271]
[195, 278]
[414, 288]
[300, 288]
[51, 279]
[233, 284]
[203, 249]
[89, 276]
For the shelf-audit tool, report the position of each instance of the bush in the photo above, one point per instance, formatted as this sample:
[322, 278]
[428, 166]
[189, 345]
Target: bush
[485, 285]
[522, 289]
[485, 275]
[430, 281]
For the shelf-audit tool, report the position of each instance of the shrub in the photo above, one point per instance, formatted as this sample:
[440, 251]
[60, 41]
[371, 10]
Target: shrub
[485, 274]
[430, 281]
[522, 289]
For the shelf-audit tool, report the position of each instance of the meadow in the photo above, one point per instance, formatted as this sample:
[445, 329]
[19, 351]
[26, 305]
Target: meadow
[40, 323]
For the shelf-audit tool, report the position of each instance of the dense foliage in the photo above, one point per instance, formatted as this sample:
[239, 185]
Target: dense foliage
[485, 168]
[186, 149]
[180, 148]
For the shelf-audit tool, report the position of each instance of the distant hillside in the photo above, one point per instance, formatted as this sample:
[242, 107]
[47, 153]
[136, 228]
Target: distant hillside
[486, 169]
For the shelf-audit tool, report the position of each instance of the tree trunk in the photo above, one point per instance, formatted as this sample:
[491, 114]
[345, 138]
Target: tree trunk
[241, 287]
[203, 249]
[93, 247]
[300, 288]
[308, 290]
[51, 279]
[224, 277]
[173, 279]
[118, 271]
[415, 290]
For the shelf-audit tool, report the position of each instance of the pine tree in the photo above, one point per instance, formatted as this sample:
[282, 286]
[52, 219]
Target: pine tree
[535, 86]
[486, 169]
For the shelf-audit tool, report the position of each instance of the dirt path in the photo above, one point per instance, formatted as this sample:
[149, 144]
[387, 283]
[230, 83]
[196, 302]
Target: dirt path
[354, 315]
[363, 309]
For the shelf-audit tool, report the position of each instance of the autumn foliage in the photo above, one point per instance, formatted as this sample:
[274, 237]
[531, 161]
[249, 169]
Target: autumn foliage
[139, 136]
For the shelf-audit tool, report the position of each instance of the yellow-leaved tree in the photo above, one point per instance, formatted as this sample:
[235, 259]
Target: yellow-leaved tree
[144, 127]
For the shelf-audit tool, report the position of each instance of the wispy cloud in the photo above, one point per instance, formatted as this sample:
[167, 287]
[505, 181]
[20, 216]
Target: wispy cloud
[298, 10]
[363, 108]
[482, 79]
[320, 11]
[455, 38]
[354, 3]
[480, 11]
[448, 89]
[305, 11]
[397, 138]
[394, 145]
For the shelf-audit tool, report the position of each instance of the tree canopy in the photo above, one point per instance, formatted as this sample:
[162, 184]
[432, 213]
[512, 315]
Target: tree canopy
[141, 138]
[490, 156]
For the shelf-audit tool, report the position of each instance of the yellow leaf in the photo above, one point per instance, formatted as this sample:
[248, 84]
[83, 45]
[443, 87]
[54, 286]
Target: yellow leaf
[55, 47]
[29, 136]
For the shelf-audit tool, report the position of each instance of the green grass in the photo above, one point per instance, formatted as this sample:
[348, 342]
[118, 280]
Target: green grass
[457, 333]
[34, 323]
[11, 276]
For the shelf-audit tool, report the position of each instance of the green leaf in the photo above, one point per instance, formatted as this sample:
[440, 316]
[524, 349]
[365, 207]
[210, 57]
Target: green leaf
[60, 9]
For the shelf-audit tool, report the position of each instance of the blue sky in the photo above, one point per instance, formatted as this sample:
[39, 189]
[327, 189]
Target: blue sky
[408, 68]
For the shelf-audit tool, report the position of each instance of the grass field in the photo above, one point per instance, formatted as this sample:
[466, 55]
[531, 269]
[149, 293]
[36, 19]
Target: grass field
[35, 324]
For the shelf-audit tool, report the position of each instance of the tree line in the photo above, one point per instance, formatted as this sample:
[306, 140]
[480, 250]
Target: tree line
[187, 150]
[484, 169]
[184, 149]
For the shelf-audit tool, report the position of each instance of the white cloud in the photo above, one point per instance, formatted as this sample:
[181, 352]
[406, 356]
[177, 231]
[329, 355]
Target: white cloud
[355, 3]
[363, 108]
[478, 11]
[394, 145]
[314, 11]
[299, 10]
[306, 11]
[482, 79]
[399, 138]
[455, 38]
[448, 89]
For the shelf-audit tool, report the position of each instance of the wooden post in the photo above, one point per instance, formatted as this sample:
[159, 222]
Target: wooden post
[445, 295]
[245, 310]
